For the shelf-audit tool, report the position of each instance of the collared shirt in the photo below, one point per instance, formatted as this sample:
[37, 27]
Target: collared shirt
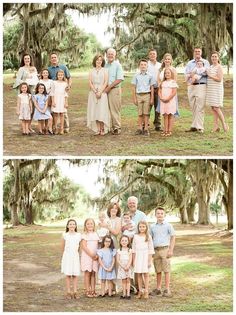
[54, 69]
[153, 69]
[143, 82]
[192, 64]
[161, 233]
[115, 72]
[137, 217]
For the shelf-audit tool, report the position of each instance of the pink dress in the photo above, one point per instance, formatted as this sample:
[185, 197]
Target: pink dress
[166, 90]
[87, 263]
[142, 249]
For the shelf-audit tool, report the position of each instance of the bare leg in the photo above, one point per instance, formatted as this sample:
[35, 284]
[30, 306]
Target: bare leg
[93, 281]
[170, 122]
[87, 281]
[146, 121]
[165, 123]
[159, 280]
[49, 124]
[103, 283]
[222, 118]
[68, 278]
[140, 284]
[23, 124]
[62, 123]
[140, 122]
[110, 287]
[215, 120]
[75, 283]
[167, 280]
[146, 284]
[55, 119]
[102, 128]
[128, 286]
[124, 286]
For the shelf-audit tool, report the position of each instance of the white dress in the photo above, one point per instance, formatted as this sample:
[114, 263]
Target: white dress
[70, 264]
[48, 84]
[124, 259]
[98, 108]
[24, 106]
[59, 93]
[142, 249]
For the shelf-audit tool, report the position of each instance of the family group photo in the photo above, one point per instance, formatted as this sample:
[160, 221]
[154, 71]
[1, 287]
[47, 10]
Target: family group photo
[98, 240]
[160, 80]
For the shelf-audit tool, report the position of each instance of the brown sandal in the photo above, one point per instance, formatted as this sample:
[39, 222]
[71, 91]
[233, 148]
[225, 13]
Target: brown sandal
[69, 296]
[76, 296]
[89, 294]
[94, 294]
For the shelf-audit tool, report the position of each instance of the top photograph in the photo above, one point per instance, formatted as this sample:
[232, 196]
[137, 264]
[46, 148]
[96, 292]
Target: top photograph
[117, 79]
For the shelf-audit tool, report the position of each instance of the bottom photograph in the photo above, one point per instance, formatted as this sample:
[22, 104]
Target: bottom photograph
[118, 235]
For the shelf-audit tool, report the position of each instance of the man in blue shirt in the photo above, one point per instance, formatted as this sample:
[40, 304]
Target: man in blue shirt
[163, 236]
[113, 90]
[53, 69]
[196, 92]
[143, 97]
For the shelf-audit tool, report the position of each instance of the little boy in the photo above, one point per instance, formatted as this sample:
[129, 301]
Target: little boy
[143, 96]
[129, 225]
[163, 236]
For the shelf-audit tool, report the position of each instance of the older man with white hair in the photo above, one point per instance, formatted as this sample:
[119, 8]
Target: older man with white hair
[113, 90]
[136, 215]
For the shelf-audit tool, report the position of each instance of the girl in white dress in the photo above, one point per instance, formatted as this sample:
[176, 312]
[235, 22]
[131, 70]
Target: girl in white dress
[70, 264]
[59, 101]
[98, 114]
[24, 107]
[143, 250]
[124, 261]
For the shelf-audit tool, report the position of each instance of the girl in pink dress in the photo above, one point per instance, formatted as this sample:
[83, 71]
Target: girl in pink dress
[89, 258]
[168, 105]
[142, 248]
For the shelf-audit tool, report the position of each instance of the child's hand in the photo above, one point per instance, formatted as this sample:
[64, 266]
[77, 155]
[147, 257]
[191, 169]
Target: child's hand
[17, 112]
[149, 263]
[66, 105]
[135, 102]
[169, 253]
[95, 257]
[53, 104]
[151, 101]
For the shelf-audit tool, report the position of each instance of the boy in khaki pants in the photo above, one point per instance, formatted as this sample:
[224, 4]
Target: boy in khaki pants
[163, 236]
[143, 96]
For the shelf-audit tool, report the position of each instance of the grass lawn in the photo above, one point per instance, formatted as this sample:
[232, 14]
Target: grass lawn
[81, 142]
[201, 280]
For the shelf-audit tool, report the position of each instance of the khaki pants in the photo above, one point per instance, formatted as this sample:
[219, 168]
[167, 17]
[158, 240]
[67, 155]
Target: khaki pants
[197, 97]
[114, 101]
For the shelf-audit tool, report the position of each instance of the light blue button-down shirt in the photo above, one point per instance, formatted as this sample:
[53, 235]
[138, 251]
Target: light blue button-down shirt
[192, 64]
[161, 233]
[115, 72]
[143, 82]
[137, 217]
[54, 69]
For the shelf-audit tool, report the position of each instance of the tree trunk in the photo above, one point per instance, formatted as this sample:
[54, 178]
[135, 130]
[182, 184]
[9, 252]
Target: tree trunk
[29, 214]
[229, 208]
[202, 198]
[184, 216]
[15, 195]
[191, 209]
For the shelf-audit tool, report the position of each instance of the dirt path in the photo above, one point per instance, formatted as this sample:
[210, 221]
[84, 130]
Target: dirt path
[33, 282]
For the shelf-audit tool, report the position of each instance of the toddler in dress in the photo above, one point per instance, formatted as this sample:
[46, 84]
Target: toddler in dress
[143, 250]
[102, 231]
[70, 263]
[106, 272]
[89, 258]
[168, 105]
[124, 261]
[24, 108]
[196, 73]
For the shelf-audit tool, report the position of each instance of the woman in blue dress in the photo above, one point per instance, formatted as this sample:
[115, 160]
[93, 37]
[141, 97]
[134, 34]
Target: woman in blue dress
[42, 112]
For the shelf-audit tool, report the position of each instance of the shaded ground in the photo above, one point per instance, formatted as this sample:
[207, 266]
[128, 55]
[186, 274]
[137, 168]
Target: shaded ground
[81, 142]
[201, 274]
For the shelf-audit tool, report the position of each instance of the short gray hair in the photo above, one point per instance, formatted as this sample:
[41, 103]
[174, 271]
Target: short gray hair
[134, 198]
[111, 50]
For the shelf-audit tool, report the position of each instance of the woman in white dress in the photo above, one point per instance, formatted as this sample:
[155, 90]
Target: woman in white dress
[215, 92]
[70, 263]
[98, 115]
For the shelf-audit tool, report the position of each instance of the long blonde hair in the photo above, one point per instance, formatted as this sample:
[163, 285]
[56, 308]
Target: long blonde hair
[163, 60]
[85, 229]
